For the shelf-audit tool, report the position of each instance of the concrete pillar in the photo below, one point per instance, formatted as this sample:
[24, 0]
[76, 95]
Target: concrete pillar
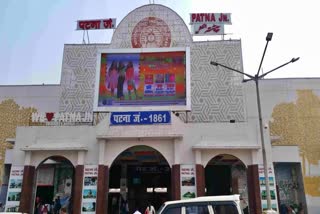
[200, 180]
[102, 147]
[26, 201]
[198, 157]
[175, 182]
[77, 190]
[102, 191]
[254, 189]
[176, 146]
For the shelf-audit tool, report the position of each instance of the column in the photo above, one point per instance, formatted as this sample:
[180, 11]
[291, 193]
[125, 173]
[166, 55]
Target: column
[27, 189]
[102, 191]
[77, 190]
[254, 189]
[200, 180]
[175, 182]
[103, 180]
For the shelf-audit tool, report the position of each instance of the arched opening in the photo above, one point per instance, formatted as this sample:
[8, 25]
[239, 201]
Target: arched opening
[138, 175]
[54, 181]
[226, 175]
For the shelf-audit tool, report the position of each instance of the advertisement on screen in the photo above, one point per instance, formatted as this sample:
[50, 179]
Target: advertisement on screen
[149, 79]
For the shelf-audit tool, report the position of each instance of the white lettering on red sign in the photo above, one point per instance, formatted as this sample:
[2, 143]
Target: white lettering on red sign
[96, 24]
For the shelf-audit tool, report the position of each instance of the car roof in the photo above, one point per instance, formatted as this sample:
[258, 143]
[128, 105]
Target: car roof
[207, 198]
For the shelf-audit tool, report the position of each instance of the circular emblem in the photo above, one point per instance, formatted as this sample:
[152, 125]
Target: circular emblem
[151, 32]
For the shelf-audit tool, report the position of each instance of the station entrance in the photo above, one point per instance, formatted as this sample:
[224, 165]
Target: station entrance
[54, 178]
[226, 175]
[138, 176]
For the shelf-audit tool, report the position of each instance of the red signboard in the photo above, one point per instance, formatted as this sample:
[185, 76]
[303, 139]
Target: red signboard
[209, 23]
[97, 24]
[217, 18]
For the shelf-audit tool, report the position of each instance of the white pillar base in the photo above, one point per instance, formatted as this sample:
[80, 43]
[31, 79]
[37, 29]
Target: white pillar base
[270, 212]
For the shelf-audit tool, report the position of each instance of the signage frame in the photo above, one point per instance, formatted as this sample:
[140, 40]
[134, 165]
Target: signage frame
[216, 17]
[16, 176]
[186, 107]
[272, 188]
[188, 181]
[97, 24]
[90, 171]
[140, 118]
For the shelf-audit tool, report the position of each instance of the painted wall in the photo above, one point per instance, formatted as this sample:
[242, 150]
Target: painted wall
[16, 105]
[59, 136]
[291, 107]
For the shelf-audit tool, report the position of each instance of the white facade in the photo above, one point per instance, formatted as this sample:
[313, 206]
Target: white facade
[223, 117]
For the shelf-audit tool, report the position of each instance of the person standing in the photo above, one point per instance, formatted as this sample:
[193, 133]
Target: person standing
[150, 209]
[130, 80]
[57, 205]
[121, 79]
[112, 77]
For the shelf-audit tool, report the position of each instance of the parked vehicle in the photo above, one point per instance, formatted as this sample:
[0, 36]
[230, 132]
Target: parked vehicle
[226, 204]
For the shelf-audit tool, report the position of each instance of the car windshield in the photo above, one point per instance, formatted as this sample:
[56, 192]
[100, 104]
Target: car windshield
[161, 208]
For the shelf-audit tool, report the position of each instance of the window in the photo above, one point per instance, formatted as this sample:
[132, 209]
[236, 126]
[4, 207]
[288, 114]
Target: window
[197, 209]
[224, 209]
[172, 210]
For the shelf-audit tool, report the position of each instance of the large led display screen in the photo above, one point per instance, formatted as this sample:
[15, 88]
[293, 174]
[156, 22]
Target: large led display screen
[146, 79]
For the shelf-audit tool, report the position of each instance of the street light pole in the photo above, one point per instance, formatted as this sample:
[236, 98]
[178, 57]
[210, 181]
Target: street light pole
[256, 79]
[264, 154]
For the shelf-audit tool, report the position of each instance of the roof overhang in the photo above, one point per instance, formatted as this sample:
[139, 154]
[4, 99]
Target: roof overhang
[233, 147]
[162, 137]
[74, 146]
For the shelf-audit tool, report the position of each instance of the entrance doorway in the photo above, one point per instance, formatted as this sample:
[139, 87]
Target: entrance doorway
[226, 175]
[54, 179]
[289, 184]
[138, 175]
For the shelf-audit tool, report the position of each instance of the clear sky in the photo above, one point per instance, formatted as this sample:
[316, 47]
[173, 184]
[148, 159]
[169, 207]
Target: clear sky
[33, 33]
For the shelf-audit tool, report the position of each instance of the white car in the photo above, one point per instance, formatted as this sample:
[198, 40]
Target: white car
[226, 204]
[11, 213]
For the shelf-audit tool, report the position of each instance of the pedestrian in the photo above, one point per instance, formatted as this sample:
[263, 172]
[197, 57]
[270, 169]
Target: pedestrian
[244, 205]
[150, 209]
[44, 209]
[124, 207]
[137, 212]
[37, 206]
[57, 205]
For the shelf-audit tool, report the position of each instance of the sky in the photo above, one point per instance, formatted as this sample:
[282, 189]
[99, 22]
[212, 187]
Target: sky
[33, 33]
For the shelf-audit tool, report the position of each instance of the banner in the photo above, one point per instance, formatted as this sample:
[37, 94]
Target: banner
[142, 79]
[188, 181]
[89, 190]
[272, 186]
[14, 189]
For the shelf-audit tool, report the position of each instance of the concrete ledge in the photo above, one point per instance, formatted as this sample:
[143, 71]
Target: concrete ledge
[203, 146]
[55, 147]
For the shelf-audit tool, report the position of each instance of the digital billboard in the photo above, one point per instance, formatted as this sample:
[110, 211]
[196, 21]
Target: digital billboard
[142, 79]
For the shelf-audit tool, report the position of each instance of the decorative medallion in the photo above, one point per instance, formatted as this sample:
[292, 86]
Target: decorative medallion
[151, 32]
